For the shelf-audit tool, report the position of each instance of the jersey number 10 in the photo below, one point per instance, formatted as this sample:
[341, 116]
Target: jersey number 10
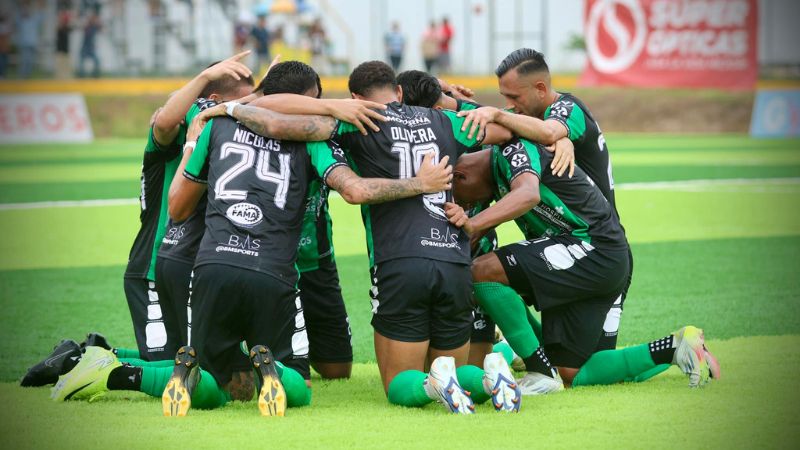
[410, 160]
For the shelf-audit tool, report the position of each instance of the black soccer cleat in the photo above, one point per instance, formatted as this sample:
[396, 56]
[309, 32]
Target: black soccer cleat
[95, 340]
[271, 396]
[64, 357]
[177, 397]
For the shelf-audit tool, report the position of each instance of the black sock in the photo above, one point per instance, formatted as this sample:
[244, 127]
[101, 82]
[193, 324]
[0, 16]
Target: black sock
[662, 350]
[538, 362]
[125, 378]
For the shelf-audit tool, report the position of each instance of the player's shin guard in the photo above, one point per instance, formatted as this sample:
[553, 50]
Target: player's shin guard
[408, 389]
[614, 366]
[510, 313]
[471, 379]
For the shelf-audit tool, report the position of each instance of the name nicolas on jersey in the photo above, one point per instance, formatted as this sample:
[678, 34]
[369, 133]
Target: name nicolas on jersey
[245, 136]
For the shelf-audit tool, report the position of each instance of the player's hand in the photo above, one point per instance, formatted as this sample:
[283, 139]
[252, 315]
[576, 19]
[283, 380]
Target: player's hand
[564, 157]
[230, 67]
[360, 113]
[458, 217]
[458, 91]
[195, 128]
[215, 111]
[478, 118]
[435, 177]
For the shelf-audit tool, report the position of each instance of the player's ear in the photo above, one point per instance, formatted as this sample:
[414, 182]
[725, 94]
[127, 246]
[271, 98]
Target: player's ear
[399, 91]
[215, 97]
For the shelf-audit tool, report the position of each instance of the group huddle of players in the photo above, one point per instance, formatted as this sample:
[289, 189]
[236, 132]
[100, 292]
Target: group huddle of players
[232, 283]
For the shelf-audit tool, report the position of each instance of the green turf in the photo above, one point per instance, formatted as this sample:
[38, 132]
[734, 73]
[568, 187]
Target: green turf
[720, 255]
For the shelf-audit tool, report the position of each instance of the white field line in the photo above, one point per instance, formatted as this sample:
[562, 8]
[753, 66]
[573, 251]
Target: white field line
[681, 185]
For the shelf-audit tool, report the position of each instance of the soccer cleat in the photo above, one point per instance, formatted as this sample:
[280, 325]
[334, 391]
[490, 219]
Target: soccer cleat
[88, 378]
[271, 396]
[535, 383]
[64, 357]
[177, 397]
[95, 340]
[442, 384]
[500, 384]
[690, 355]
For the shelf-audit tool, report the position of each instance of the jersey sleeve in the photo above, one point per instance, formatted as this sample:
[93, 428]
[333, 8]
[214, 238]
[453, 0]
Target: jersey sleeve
[520, 156]
[461, 136]
[197, 167]
[570, 115]
[325, 156]
[170, 150]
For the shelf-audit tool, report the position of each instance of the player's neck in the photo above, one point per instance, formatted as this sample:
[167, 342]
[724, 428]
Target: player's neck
[383, 96]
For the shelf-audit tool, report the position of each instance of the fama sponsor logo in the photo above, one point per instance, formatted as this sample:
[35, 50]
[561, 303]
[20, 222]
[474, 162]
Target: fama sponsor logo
[245, 214]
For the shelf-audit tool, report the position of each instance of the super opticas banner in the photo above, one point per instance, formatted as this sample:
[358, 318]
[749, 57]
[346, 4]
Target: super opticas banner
[671, 43]
[29, 118]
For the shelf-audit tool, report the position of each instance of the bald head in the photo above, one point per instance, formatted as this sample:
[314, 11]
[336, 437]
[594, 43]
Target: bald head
[472, 179]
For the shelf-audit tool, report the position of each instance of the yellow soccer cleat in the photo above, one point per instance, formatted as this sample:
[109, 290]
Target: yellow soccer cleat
[271, 396]
[87, 380]
[177, 397]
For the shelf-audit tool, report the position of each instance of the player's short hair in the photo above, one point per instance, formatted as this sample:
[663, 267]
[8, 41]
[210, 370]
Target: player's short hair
[290, 77]
[419, 88]
[525, 60]
[225, 84]
[369, 76]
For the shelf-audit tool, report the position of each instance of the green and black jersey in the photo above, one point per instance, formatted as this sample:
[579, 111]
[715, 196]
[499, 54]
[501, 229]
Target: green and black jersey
[572, 206]
[415, 226]
[181, 240]
[158, 168]
[257, 191]
[316, 240]
[591, 152]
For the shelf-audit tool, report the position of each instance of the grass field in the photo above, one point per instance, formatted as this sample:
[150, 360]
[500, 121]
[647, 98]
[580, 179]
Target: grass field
[715, 230]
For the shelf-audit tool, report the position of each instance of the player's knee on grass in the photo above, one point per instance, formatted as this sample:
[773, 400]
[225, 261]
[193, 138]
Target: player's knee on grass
[242, 386]
[487, 269]
[333, 371]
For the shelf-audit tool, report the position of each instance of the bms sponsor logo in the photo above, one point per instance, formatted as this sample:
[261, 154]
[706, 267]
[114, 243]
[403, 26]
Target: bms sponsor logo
[246, 215]
[441, 239]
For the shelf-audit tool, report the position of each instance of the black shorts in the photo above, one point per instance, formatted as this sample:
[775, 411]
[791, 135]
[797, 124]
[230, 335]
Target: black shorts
[173, 282]
[419, 299]
[327, 323]
[231, 305]
[154, 339]
[577, 287]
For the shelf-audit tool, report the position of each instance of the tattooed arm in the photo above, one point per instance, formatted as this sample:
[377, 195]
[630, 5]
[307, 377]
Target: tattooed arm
[356, 190]
[276, 125]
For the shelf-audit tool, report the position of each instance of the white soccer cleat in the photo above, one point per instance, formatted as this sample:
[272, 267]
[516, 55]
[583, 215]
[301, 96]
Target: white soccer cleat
[692, 356]
[498, 381]
[87, 380]
[442, 385]
[535, 383]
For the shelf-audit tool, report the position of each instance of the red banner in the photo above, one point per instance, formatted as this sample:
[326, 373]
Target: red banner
[671, 43]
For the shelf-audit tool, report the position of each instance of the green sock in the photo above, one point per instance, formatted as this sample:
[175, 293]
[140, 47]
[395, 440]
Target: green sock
[297, 392]
[408, 389]
[509, 312]
[142, 363]
[206, 395]
[647, 374]
[471, 379]
[535, 324]
[614, 366]
[126, 353]
[505, 349]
